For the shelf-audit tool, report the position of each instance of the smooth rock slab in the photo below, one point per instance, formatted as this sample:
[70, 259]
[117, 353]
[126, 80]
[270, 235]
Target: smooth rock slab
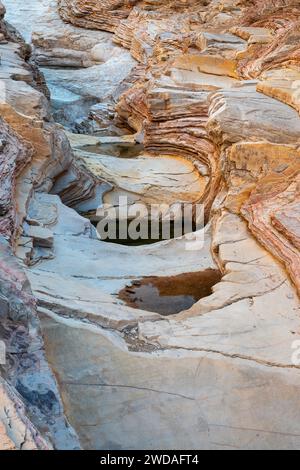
[32, 386]
[236, 320]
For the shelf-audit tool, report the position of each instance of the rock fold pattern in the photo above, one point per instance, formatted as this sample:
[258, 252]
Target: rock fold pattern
[161, 101]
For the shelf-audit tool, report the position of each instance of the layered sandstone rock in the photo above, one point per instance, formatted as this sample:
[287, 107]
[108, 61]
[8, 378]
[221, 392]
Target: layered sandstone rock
[266, 195]
[16, 431]
[106, 15]
[33, 151]
[165, 180]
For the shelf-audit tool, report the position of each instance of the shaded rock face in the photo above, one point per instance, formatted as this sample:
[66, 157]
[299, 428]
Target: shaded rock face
[15, 155]
[203, 98]
[28, 159]
[16, 431]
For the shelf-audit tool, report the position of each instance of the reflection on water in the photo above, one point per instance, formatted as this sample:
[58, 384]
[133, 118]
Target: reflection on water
[170, 295]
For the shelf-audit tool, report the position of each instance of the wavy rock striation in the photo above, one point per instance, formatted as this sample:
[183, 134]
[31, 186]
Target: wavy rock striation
[207, 91]
[33, 151]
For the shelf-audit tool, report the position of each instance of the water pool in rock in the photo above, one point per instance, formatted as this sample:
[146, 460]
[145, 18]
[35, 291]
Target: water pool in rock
[170, 295]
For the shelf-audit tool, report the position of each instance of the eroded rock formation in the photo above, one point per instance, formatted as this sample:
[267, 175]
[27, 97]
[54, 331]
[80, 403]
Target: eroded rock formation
[208, 93]
[33, 150]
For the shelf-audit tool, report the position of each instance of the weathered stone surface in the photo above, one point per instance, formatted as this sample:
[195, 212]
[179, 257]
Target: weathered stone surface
[282, 85]
[15, 155]
[262, 180]
[30, 155]
[45, 152]
[244, 114]
[253, 35]
[181, 131]
[4, 307]
[88, 283]
[41, 236]
[55, 43]
[105, 15]
[281, 18]
[101, 65]
[156, 400]
[146, 179]
[26, 368]
[286, 220]
[251, 282]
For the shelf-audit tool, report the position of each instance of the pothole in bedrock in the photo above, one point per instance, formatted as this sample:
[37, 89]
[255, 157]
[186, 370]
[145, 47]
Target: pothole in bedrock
[170, 295]
[150, 239]
[115, 150]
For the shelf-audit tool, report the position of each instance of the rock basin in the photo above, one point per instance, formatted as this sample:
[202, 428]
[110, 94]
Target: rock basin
[210, 374]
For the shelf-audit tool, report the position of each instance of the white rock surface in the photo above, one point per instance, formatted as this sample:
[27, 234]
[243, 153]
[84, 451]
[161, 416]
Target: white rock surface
[169, 400]
[85, 285]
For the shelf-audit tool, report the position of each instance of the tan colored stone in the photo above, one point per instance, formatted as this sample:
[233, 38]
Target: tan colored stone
[254, 35]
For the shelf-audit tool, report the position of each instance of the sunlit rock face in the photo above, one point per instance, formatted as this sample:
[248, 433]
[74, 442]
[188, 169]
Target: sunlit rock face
[162, 102]
[15, 155]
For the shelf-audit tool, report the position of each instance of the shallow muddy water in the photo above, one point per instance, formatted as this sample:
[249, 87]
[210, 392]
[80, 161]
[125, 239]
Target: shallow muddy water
[170, 295]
